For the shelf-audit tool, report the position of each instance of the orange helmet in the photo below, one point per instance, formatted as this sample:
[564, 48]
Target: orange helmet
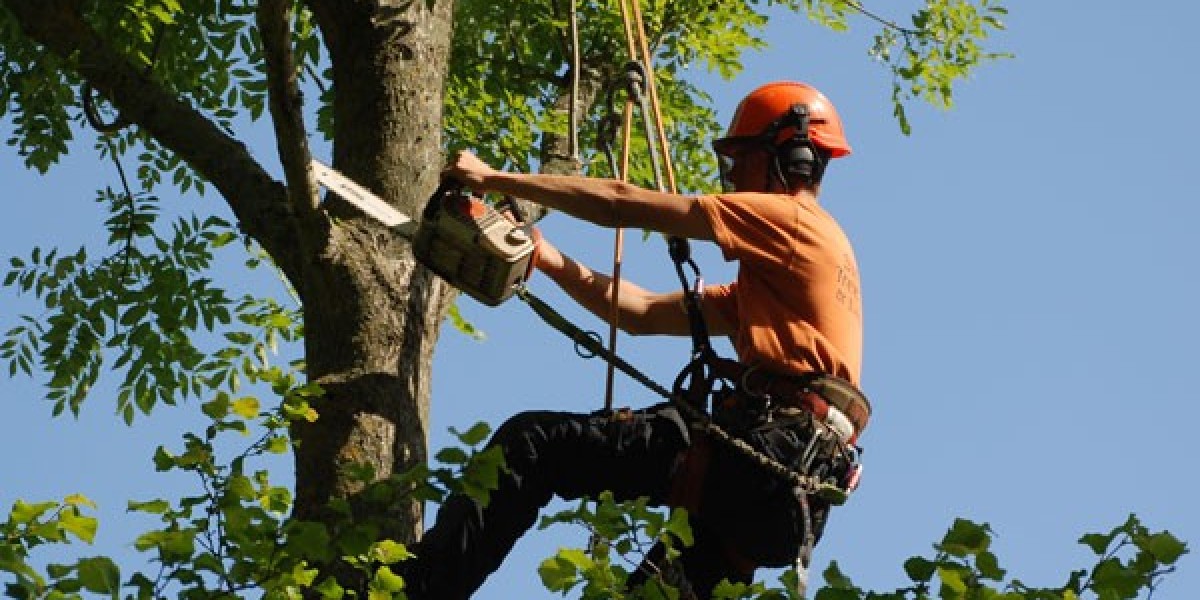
[765, 109]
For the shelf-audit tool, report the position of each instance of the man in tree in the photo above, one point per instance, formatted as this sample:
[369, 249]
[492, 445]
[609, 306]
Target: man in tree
[794, 315]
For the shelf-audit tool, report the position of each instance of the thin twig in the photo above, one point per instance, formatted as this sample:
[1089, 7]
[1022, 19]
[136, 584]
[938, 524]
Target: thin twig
[857, 6]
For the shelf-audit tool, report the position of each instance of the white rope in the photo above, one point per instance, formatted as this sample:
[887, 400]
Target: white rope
[573, 138]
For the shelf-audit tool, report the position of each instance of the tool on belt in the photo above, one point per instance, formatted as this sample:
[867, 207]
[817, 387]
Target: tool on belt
[464, 240]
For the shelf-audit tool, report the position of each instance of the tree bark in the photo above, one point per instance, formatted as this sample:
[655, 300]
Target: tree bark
[372, 315]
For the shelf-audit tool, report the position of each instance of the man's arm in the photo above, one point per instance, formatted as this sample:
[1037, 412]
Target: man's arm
[639, 311]
[605, 202]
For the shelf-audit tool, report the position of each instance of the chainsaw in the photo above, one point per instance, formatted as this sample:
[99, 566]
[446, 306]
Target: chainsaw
[461, 238]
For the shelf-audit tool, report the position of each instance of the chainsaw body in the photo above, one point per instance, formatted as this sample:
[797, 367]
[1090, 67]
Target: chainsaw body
[472, 245]
[465, 241]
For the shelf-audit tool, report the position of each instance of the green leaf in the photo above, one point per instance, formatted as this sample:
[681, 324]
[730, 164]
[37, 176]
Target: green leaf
[1098, 542]
[389, 552]
[217, 408]
[100, 575]
[1111, 579]
[952, 580]
[58, 571]
[310, 540]
[473, 436]
[1164, 546]
[278, 445]
[23, 513]
[834, 577]
[966, 538]
[559, 573]
[989, 566]
[919, 569]
[156, 507]
[241, 487]
[246, 407]
[330, 589]
[79, 500]
[164, 460]
[82, 527]
[452, 456]
[679, 526]
[387, 581]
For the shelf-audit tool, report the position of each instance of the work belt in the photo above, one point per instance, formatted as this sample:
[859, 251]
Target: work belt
[829, 399]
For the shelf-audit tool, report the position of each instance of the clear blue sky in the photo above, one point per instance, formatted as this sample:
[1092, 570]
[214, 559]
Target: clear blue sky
[1029, 280]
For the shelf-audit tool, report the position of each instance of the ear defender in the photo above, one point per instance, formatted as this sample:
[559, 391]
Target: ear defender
[797, 157]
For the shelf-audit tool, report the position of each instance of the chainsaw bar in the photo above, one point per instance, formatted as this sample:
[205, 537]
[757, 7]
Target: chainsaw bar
[364, 199]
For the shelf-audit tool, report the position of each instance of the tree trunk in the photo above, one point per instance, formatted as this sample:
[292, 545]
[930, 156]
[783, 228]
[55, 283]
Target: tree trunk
[372, 315]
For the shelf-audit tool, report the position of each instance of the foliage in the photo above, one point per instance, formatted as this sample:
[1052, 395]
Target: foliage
[622, 534]
[508, 77]
[142, 304]
[943, 47]
[1130, 563]
[234, 535]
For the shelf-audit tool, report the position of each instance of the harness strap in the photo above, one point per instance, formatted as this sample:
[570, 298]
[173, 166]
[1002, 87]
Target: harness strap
[587, 343]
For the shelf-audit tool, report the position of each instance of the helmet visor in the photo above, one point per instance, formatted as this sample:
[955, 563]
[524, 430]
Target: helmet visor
[724, 167]
[728, 151]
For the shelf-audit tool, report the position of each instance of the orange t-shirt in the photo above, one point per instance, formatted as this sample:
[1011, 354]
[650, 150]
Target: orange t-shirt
[795, 305]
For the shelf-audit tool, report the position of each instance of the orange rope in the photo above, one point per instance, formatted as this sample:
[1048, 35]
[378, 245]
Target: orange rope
[635, 38]
[663, 144]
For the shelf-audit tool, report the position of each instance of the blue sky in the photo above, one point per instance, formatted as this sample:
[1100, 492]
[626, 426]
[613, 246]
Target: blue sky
[1029, 282]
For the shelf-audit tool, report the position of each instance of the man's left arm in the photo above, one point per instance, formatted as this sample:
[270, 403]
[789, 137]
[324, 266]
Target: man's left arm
[639, 311]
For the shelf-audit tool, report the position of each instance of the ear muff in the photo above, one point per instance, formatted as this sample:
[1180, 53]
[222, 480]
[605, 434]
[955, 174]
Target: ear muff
[795, 157]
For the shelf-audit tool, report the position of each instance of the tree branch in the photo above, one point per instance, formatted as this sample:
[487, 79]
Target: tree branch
[274, 18]
[258, 201]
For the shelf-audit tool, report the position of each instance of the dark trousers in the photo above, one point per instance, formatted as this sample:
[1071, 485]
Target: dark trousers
[747, 514]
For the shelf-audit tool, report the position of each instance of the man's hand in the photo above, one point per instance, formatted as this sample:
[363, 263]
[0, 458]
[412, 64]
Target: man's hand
[466, 168]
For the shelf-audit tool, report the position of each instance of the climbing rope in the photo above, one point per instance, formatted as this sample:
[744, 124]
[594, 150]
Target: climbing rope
[641, 93]
[576, 64]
